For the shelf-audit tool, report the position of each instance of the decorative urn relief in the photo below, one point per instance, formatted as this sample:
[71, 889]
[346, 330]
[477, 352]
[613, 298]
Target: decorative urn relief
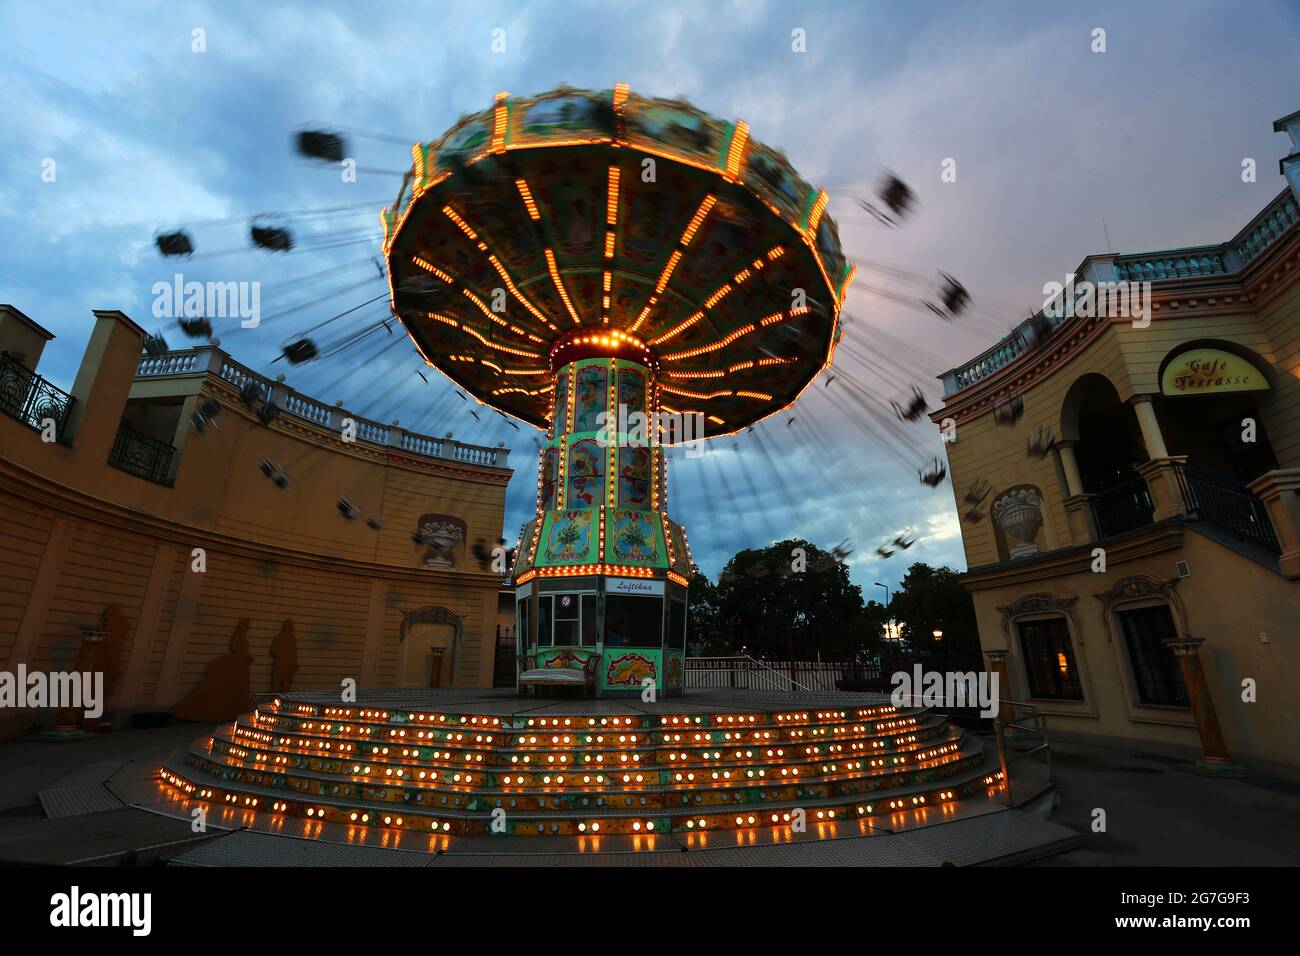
[1019, 513]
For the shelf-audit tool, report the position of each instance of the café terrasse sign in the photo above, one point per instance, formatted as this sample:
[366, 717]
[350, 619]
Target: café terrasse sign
[1210, 372]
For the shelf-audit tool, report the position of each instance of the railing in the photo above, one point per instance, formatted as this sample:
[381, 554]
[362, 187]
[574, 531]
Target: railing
[746, 673]
[1226, 503]
[1025, 727]
[1179, 264]
[30, 398]
[1125, 507]
[138, 454]
[1270, 224]
[211, 360]
[1002, 354]
[1279, 216]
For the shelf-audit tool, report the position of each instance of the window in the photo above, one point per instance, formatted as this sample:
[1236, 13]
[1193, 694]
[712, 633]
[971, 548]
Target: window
[633, 621]
[544, 602]
[566, 620]
[524, 637]
[1049, 660]
[589, 620]
[1156, 671]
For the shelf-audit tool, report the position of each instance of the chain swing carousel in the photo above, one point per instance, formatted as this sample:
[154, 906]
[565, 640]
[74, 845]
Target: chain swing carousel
[584, 262]
[579, 261]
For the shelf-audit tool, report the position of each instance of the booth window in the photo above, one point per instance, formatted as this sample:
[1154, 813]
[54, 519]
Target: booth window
[589, 620]
[568, 614]
[1156, 671]
[544, 602]
[1049, 660]
[566, 620]
[633, 621]
[525, 636]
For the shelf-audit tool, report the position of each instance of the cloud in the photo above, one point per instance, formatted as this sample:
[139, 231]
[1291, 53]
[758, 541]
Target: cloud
[1049, 139]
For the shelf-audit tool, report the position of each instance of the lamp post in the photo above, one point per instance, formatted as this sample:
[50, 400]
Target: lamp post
[937, 634]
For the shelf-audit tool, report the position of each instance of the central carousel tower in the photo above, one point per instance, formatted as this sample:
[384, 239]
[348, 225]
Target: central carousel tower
[598, 264]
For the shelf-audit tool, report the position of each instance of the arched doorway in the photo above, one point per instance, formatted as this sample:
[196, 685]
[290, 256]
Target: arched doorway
[1108, 440]
[1211, 397]
[429, 637]
[1108, 448]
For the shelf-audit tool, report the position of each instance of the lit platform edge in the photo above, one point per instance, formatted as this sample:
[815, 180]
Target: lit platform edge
[468, 764]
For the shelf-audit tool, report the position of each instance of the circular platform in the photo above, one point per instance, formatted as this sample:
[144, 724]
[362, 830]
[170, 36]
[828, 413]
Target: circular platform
[461, 763]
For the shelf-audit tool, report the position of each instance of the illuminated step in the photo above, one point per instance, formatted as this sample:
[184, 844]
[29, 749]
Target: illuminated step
[639, 820]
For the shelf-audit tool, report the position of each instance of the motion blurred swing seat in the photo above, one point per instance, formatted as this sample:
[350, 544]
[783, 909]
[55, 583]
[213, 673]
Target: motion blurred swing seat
[573, 667]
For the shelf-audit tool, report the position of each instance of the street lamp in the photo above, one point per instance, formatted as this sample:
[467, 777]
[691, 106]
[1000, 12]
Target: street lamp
[937, 634]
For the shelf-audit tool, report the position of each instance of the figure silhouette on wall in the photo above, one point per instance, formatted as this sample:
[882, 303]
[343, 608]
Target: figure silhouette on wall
[100, 653]
[284, 648]
[224, 690]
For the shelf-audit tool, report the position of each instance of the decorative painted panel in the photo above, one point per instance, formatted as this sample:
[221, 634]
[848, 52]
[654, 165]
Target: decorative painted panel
[624, 670]
[568, 537]
[550, 476]
[634, 473]
[586, 474]
[674, 669]
[634, 538]
[589, 399]
[560, 413]
[631, 390]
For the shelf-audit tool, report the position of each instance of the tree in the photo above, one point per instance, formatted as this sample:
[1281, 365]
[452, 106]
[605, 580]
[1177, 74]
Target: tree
[931, 599]
[791, 597]
[702, 615]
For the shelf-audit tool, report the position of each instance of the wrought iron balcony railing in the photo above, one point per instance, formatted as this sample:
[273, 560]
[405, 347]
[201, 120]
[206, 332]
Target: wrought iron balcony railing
[30, 398]
[138, 454]
[1126, 507]
[1226, 503]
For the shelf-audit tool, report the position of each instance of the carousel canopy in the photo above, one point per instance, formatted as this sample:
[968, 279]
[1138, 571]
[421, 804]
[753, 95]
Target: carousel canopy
[641, 224]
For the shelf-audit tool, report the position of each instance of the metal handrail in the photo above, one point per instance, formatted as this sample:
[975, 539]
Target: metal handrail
[1038, 730]
[1226, 503]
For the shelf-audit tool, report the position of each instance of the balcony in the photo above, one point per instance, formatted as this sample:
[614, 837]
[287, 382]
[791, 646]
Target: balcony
[1216, 499]
[138, 454]
[209, 360]
[31, 399]
[1275, 220]
[1126, 507]
[1227, 504]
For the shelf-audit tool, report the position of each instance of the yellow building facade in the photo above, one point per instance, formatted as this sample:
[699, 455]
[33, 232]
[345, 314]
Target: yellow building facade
[1127, 467]
[167, 555]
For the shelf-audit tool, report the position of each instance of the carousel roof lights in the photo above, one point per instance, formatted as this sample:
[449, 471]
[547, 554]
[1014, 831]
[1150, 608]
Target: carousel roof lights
[429, 267]
[668, 271]
[743, 202]
[698, 219]
[529, 204]
[500, 115]
[681, 327]
[611, 203]
[819, 207]
[559, 285]
[737, 148]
